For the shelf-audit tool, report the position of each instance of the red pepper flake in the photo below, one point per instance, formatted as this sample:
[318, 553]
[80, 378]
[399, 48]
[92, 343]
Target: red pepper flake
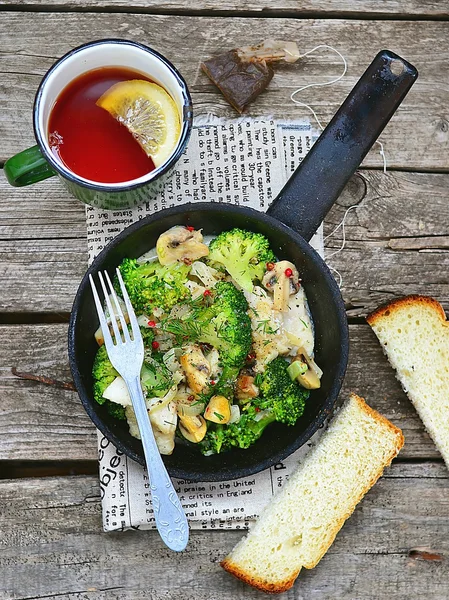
[270, 266]
[207, 293]
[191, 398]
[257, 409]
[151, 323]
[190, 228]
[155, 345]
[212, 382]
[288, 272]
[251, 357]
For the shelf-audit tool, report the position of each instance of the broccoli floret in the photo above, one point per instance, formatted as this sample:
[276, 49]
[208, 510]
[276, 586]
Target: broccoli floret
[226, 384]
[244, 255]
[279, 394]
[221, 320]
[103, 373]
[152, 285]
[116, 410]
[236, 435]
[225, 324]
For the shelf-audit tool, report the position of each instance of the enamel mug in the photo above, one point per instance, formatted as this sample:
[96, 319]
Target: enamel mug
[39, 162]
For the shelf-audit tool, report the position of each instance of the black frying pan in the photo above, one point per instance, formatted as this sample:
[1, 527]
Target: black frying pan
[289, 224]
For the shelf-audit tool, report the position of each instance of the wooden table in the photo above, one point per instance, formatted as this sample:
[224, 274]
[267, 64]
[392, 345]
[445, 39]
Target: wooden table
[397, 241]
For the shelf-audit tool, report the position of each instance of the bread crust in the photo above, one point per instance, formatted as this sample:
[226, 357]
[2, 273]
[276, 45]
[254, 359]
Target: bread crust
[402, 303]
[260, 584]
[281, 586]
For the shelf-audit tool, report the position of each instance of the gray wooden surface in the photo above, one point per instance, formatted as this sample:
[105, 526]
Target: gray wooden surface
[417, 136]
[53, 541]
[43, 242]
[365, 8]
[397, 241]
[57, 427]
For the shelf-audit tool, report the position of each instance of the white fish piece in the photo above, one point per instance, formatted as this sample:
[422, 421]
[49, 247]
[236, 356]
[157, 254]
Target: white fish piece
[132, 422]
[117, 392]
[165, 419]
[165, 440]
[269, 340]
[298, 324]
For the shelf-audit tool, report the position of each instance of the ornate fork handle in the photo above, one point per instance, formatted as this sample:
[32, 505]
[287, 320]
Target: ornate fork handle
[168, 512]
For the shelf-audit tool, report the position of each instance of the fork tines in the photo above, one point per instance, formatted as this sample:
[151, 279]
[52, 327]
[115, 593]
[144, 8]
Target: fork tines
[109, 292]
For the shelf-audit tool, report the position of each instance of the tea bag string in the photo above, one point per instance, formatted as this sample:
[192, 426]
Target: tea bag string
[330, 82]
[342, 223]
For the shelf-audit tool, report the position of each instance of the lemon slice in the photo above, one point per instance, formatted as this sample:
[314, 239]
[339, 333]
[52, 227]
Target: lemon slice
[148, 112]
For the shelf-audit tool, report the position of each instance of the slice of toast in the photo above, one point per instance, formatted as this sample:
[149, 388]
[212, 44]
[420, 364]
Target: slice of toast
[300, 523]
[414, 335]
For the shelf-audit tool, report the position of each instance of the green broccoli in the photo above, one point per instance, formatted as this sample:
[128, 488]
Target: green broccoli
[241, 434]
[152, 285]
[244, 255]
[103, 373]
[115, 410]
[220, 320]
[225, 324]
[279, 394]
[226, 383]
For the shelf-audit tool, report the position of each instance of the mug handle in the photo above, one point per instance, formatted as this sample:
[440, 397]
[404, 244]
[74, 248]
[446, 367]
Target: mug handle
[27, 167]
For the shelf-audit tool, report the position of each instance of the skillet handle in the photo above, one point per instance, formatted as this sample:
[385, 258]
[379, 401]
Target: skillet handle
[317, 183]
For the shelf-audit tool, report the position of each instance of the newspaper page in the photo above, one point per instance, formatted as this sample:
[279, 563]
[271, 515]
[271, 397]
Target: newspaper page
[244, 162]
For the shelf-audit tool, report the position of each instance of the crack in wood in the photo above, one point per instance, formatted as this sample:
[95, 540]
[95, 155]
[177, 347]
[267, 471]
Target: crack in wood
[85, 591]
[210, 11]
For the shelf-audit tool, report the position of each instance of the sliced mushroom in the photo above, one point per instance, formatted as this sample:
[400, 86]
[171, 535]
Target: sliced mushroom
[196, 368]
[305, 371]
[282, 280]
[245, 389]
[218, 410]
[193, 428]
[180, 244]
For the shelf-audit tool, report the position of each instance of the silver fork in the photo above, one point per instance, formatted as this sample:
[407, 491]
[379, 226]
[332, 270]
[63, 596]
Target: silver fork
[126, 355]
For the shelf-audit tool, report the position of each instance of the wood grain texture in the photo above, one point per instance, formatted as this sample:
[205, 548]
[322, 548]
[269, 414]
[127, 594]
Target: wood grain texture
[43, 245]
[38, 422]
[52, 545]
[335, 8]
[396, 238]
[416, 138]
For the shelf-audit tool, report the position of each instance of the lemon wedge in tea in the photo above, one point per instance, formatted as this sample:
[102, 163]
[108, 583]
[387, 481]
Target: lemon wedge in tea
[148, 112]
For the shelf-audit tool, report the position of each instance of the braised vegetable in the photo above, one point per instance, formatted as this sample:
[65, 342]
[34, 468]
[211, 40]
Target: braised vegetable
[225, 329]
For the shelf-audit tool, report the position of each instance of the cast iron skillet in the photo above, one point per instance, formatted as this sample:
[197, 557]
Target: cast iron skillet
[289, 223]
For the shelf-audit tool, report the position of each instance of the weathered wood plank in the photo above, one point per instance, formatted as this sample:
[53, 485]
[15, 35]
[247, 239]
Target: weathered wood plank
[38, 422]
[43, 246]
[52, 544]
[417, 137]
[334, 8]
[396, 238]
